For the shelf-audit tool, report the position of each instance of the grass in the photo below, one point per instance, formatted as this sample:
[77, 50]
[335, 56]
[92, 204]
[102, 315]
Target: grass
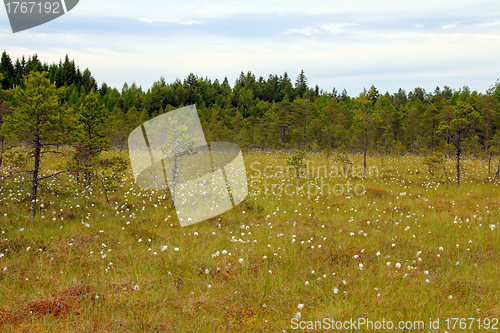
[82, 265]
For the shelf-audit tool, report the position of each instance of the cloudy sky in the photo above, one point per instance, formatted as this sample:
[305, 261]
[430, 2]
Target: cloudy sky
[343, 44]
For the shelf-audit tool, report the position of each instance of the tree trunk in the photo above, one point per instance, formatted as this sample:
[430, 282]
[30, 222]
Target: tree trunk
[488, 131]
[344, 167]
[34, 182]
[498, 171]
[104, 189]
[2, 148]
[364, 154]
[458, 160]
[446, 174]
[121, 145]
[89, 158]
[174, 179]
[489, 164]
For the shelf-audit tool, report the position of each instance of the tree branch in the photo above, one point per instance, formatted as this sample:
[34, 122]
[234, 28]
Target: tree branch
[49, 189]
[55, 174]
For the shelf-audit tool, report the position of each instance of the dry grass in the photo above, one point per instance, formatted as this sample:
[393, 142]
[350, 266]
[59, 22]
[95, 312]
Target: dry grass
[85, 266]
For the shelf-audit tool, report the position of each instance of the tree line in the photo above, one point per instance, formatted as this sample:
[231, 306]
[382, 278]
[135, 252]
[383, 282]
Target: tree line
[278, 113]
[263, 113]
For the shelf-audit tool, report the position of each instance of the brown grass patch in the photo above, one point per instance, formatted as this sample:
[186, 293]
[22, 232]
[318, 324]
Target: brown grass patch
[377, 192]
[67, 214]
[344, 255]
[62, 304]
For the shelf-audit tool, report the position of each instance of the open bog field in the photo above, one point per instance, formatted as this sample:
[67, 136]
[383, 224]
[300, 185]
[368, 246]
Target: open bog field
[399, 246]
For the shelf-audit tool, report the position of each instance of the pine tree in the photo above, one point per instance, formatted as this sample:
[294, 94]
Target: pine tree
[296, 162]
[117, 128]
[364, 115]
[2, 136]
[39, 120]
[463, 116]
[90, 133]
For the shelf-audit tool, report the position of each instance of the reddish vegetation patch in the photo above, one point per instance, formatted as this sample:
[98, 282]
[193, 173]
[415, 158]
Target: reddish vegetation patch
[377, 192]
[55, 307]
[64, 303]
[10, 317]
[342, 255]
[237, 317]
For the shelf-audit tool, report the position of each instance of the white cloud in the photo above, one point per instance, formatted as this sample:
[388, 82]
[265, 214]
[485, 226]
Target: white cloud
[152, 20]
[489, 24]
[403, 56]
[304, 31]
[349, 45]
[169, 20]
[220, 9]
[191, 22]
[335, 28]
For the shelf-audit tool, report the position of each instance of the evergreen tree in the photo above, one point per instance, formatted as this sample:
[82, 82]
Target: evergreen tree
[364, 116]
[463, 116]
[301, 84]
[90, 133]
[296, 162]
[88, 81]
[191, 81]
[7, 69]
[2, 135]
[68, 72]
[39, 121]
[33, 64]
[373, 95]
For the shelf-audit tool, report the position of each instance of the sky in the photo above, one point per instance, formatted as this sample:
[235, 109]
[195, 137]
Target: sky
[348, 45]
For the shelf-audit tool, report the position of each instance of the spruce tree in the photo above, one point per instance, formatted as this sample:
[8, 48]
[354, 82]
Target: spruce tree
[7, 69]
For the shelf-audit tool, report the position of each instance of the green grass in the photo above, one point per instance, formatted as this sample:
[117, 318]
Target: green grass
[82, 265]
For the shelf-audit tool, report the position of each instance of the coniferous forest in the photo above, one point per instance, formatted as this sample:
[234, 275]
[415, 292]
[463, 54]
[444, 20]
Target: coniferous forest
[283, 112]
